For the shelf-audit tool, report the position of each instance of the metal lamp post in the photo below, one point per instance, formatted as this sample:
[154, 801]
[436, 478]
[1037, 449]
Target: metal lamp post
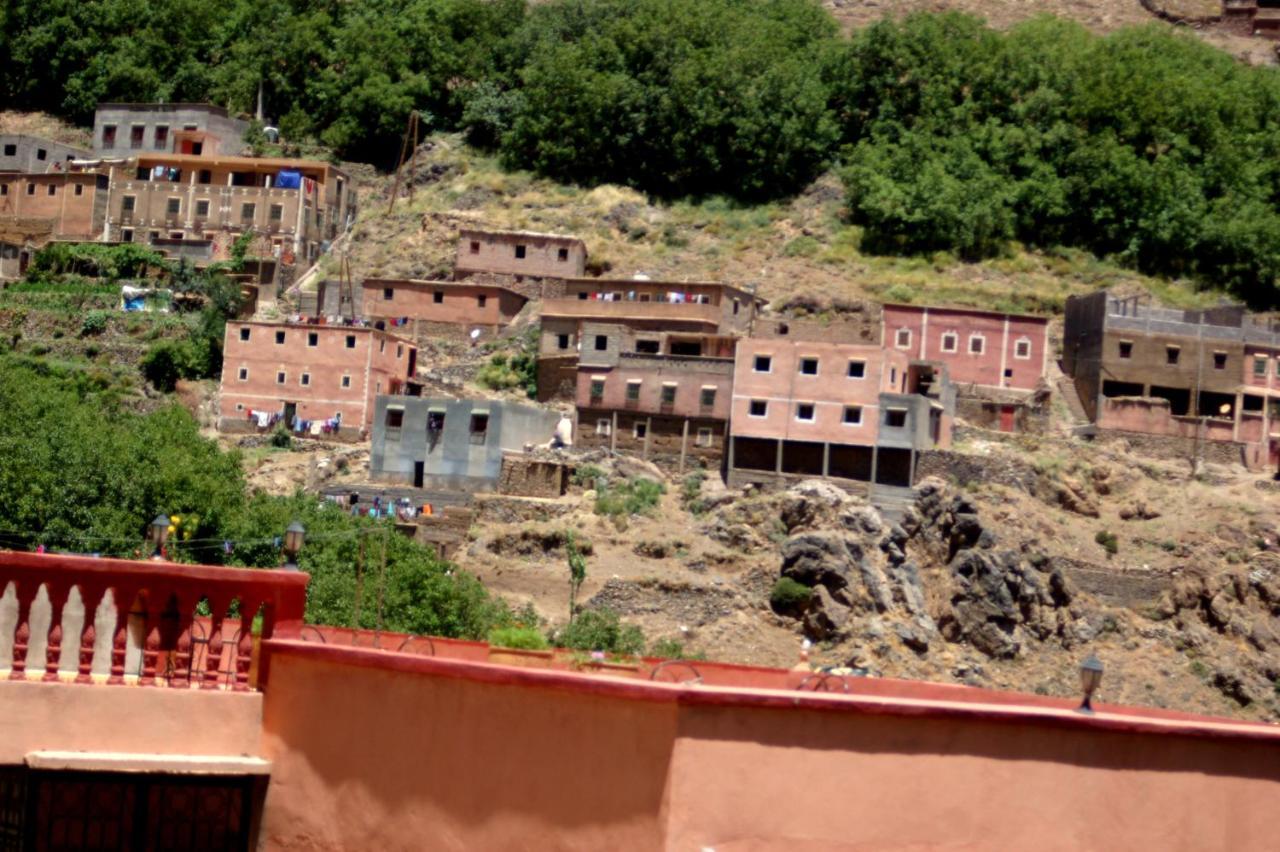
[294, 537]
[1090, 677]
[158, 534]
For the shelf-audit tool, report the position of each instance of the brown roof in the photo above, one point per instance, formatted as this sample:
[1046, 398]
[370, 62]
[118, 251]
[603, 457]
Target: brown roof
[966, 309]
[459, 285]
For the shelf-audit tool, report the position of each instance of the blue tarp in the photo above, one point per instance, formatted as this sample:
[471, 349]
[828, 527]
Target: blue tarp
[288, 179]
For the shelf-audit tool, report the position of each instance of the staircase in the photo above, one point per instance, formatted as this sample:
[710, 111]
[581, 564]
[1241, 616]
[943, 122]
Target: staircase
[892, 501]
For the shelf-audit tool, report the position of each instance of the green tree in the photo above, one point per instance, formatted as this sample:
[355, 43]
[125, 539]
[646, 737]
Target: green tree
[577, 570]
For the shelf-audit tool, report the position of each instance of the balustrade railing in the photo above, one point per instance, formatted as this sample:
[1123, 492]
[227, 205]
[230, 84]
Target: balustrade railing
[154, 623]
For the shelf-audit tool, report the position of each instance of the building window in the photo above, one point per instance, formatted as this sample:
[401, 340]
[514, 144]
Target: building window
[438, 297]
[1171, 354]
[479, 428]
[135, 135]
[705, 437]
[173, 206]
[281, 377]
[126, 235]
[1219, 360]
[313, 338]
[10, 150]
[108, 136]
[708, 397]
[276, 212]
[633, 390]
[758, 408]
[53, 190]
[809, 366]
[481, 301]
[202, 208]
[247, 211]
[399, 351]
[304, 379]
[382, 346]
[582, 297]
[602, 342]
[162, 137]
[41, 153]
[562, 341]
[244, 334]
[1126, 348]
[4, 189]
[804, 411]
[639, 429]
[394, 422]
[597, 389]
[763, 364]
[243, 375]
[387, 294]
[950, 341]
[346, 381]
[79, 189]
[1022, 349]
[204, 176]
[895, 418]
[603, 427]
[351, 341]
[475, 247]
[1260, 366]
[903, 338]
[519, 252]
[977, 343]
[853, 415]
[127, 203]
[857, 369]
[279, 338]
[648, 347]
[31, 189]
[668, 393]
[562, 255]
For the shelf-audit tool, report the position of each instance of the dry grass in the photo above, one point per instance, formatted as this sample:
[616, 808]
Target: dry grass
[46, 126]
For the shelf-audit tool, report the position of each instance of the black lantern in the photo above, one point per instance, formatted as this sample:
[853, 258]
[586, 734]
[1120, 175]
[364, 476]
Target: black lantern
[294, 536]
[1090, 678]
[158, 533]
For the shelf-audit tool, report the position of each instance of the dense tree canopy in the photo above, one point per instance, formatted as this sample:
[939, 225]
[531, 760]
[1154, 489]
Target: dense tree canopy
[1145, 144]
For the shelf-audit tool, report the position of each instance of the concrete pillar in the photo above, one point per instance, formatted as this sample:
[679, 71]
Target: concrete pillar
[875, 459]
[648, 433]
[1235, 416]
[730, 441]
[778, 464]
[826, 459]
[684, 443]
[911, 474]
[613, 434]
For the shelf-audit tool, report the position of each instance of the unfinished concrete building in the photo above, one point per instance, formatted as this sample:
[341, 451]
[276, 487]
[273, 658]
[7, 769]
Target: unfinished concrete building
[22, 153]
[856, 413]
[130, 130]
[662, 396]
[440, 308]
[704, 308]
[452, 444]
[522, 254]
[1188, 382]
[313, 378]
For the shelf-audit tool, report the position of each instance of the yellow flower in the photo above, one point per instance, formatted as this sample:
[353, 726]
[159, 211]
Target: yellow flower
[186, 534]
[175, 520]
[172, 529]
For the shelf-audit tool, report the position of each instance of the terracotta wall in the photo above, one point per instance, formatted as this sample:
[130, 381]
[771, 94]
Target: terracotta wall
[999, 363]
[1151, 416]
[460, 303]
[495, 251]
[24, 197]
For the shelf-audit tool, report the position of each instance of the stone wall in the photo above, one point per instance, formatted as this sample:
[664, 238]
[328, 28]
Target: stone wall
[1132, 587]
[768, 481]
[531, 477]
[965, 468]
[1176, 447]
[507, 509]
[985, 413]
[446, 530]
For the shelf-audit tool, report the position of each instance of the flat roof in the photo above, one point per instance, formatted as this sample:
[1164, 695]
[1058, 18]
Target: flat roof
[964, 309]
[423, 282]
[318, 326]
[623, 283]
[263, 162]
[535, 235]
[164, 107]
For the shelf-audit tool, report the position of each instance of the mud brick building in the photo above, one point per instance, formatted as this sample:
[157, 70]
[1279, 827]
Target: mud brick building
[449, 443]
[38, 208]
[315, 373]
[22, 153]
[435, 308]
[130, 130]
[1181, 376]
[858, 413]
[522, 254]
[663, 396]
[704, 308]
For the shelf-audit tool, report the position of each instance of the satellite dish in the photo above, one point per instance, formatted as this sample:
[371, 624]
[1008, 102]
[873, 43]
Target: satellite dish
[1225, 408]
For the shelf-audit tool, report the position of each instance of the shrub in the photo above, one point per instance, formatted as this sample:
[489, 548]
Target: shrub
[601, 630]
[636, 496]
[586, 476]
[94, 322]
[691, 493]
[524, 638]
[170, 360]
[789, 596]
[1107, 539]
[281, 439]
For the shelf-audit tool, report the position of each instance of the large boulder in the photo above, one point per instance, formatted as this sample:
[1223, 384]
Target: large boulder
[825, 617]
[821, 559]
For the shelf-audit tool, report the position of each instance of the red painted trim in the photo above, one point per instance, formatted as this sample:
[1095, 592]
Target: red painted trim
[100, 566]
[712, 696]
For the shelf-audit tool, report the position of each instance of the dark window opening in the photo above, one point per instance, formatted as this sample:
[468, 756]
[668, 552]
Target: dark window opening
[481, 301]
[161, 137]
[668, 395]
[562, 341]
[1179, 399]
[244, 373]
[852, 415]
[387, 294]
[395, 418]
[688, 348]
[306, 379]
[763, 364]
[519, 252]
[1219, 360]
[895, 418]
[597, 389]
[640, 429]
[809, 366]
[857, 369]
[1171, 355]
[204, 176]
[202, 209]
[174, 206]
[582, 297]
[276, 212]
[1008, 372]
[633, 391]
[602, 342]
[279, 337]
[108, 136]
[648, 347]
[804, 411]
[708, 397]
[437, 297]
[479, 428]
[313, 338]
[475, 247]
[351, 341]
[41, 153]
[244, 334]
[562, 255]
[10, 150]
[1260, 366]
[53, 190]
[758, 408]
[280, 378]
[135, 135]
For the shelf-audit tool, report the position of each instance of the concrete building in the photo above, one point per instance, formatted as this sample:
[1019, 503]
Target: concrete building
[22, 153]
[523, 254]
[663, 396]
[296, 207]
[451, 443]
[318, 374]
[1187, 377]
[704, 308]
[130, 130]
[853, 412]
[985, 349]
[38, 208]
[128, 714]
[441, 307]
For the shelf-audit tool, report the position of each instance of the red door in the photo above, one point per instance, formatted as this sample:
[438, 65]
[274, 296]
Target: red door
[1006, 418]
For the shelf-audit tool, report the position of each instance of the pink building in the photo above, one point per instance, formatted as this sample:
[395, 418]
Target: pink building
[852, 411]
[519, 253]
[982, 348]
[432, 304]
[661, 396]
[171, 729]
[308, 374]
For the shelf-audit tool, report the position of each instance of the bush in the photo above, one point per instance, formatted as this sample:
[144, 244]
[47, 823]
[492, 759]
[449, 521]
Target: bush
[636, 496]
[1107, 539]
[586, 476]
[691, 493]
[169, 360]
[601, 630]
[524, 638]
[94, 322]
[281, 439]
[789, 596]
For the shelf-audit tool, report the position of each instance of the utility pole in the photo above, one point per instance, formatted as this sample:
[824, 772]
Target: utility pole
[409, 153]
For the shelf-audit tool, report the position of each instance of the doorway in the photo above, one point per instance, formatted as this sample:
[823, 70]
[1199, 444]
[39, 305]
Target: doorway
[1006, 418]
[290, 412]
[419, 473]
